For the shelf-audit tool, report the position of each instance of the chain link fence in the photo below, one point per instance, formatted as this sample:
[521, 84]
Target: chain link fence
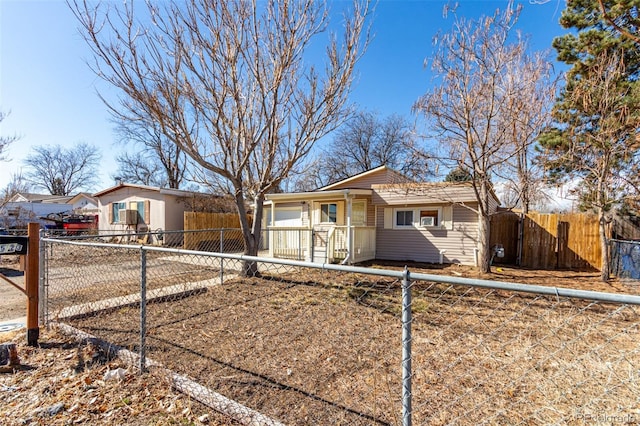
[299, 343]
[625, 259]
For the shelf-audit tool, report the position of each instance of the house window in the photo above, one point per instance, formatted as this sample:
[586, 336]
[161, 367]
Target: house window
[358, 213]
[115, 212]
[429, 218]
[139, 207]
[404, 218]
[328, 213]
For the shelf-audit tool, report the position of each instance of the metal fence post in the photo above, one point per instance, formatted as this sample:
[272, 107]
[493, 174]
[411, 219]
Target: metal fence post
[143, 309]
[406, 348]
[221, 259]
[42, 318]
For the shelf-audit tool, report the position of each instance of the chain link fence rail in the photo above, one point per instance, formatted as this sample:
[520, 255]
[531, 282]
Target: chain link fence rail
[302, 343]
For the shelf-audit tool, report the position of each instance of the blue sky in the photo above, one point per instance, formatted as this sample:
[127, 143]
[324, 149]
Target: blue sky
[51, 93]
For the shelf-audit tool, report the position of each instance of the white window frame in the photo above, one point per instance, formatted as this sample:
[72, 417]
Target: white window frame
[395, 218]
[334, 222]
[416, 219]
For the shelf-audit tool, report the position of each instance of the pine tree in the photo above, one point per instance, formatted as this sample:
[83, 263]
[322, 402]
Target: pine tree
[597, 115]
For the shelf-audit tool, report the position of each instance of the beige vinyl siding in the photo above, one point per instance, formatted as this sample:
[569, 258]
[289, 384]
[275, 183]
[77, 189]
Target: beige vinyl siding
[424, 245]
[493, 205]
[423, 194]
[371, 214]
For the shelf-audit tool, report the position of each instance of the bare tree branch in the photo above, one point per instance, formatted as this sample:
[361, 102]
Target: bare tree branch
[63, 171]
[473, 112]
[228, 82]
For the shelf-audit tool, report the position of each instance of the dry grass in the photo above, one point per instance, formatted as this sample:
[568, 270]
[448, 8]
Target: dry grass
[313, 347]
[62, 382]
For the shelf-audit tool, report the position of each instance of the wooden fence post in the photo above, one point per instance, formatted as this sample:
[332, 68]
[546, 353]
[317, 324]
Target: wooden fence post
[31, 276]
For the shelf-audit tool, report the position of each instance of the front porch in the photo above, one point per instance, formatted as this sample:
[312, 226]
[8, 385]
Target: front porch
[326, 244]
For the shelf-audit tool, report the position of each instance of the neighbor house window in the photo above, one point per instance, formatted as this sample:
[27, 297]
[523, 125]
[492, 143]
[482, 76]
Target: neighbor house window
[115, 212]
[139, 207]
[404, 218]
[329, 213]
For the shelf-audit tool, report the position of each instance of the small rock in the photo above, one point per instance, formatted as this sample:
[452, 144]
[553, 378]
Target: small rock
[55, 409]
[52, 410]
[204, 418]
[118, 373]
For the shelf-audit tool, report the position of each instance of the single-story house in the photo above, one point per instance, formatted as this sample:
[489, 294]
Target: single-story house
[83, 203]
[127, 208]
[378, 214]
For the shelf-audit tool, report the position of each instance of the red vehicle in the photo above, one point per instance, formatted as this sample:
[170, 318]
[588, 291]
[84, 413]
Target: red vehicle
[79, 223]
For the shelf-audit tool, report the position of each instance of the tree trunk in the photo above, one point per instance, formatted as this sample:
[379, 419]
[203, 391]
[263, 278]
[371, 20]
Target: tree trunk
[604, 245]
[250, 233]
[484, 249]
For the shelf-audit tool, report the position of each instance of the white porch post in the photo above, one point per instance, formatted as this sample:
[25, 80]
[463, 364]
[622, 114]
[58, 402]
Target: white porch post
[270, 237]
[309, 206]
[349, 257]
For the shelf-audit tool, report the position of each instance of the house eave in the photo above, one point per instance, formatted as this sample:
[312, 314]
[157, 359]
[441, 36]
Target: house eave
[316, 195]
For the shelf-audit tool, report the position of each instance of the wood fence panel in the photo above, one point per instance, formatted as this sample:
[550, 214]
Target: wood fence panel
[197, 221]
[584, 241]
[549, 241]
[504, 230]
[539, 242]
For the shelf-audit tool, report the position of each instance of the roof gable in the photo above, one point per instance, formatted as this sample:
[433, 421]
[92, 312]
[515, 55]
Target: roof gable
[163, 191]
[82, 195]
[365, 180]
[27, 197]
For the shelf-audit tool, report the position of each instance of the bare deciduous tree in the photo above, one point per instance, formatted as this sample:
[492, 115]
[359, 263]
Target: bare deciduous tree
[470, 111]
[139, 168]
[228, 83]
[158, 163]
[63, 171]
[16, 185]
[532, 90]
[366, 141]
[5, 141]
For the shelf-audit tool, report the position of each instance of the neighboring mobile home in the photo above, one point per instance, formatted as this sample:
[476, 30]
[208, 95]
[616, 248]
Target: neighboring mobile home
[127, 208]
[24, 207]
[378, 214]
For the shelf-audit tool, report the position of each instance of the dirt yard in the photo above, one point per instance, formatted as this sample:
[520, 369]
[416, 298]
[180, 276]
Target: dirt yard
[64, 382]
[13, 303]
[315, 347]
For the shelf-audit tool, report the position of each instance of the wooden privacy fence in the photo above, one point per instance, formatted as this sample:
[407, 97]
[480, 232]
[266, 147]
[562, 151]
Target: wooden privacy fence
[548, 241]
[194, 222]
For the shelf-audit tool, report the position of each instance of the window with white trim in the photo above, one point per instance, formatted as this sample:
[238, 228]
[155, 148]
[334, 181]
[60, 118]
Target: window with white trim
[328, 213]
[403, 219]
